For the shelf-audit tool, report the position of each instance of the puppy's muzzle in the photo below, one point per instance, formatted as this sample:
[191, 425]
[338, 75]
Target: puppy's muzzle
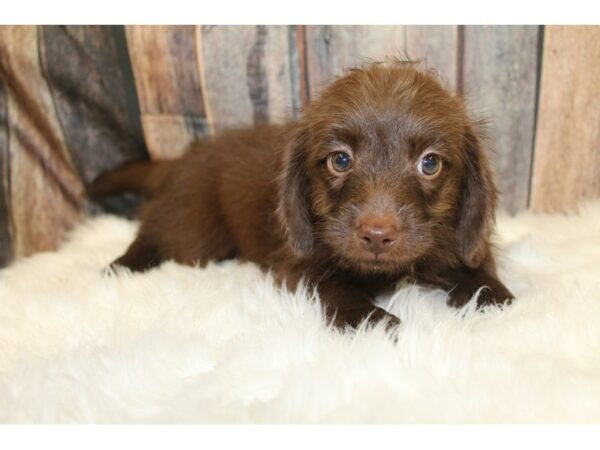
[377, 235]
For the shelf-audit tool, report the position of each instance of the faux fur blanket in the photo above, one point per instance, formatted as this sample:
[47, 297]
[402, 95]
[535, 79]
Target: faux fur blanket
[223, 344]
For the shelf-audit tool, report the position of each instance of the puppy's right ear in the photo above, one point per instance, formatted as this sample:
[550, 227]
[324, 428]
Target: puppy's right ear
[478, 203]
[294, 193]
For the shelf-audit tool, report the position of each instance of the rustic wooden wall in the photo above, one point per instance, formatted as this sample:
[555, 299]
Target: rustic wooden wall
[499, 76]
[567, 151]
[6, 230]
[165, 65]
[45, 196]
[77, 100]
[92, 91]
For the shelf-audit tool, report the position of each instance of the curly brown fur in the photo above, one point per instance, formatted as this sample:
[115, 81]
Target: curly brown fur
[273, 195]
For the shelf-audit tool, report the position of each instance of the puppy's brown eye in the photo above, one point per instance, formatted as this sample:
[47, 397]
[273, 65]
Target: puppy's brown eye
[430, 164]
[339, 162]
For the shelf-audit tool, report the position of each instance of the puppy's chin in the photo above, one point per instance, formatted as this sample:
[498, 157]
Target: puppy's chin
[376, 267]
[372, 265]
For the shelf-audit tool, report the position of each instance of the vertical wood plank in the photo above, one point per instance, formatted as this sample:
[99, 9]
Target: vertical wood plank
[438, 46]
[251, 74]
[333, 48]
[92, 88]
[567, 152]
[169, 88]
[46, 196]
[299, 76]
[5, 219]
[499, 75]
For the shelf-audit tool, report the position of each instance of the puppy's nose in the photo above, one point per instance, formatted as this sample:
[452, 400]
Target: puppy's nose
[377, 238]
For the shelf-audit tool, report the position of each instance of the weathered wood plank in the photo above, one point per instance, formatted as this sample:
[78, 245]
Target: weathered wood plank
[5, 219]
[333, 48]
[437, 45]
[168, 84]
[163, 60]
[500, 76]
[92, 88]
[46, 194]
[567, 153]
[251, 74]
[298, 73]
[170, 134]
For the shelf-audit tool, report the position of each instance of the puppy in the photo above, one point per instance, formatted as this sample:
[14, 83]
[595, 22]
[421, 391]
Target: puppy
[383, 178]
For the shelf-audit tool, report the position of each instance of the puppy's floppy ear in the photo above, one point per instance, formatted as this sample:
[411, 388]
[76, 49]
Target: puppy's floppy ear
[294, 193]
[477, 203]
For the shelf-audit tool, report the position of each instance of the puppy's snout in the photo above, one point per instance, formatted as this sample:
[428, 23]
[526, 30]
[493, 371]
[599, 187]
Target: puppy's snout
[377, 236]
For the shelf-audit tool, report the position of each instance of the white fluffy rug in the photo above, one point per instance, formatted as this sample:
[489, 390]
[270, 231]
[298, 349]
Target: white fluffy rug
[222, 344]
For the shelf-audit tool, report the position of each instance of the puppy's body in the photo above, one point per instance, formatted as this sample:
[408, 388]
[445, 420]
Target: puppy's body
[346, 199]
[216, 202]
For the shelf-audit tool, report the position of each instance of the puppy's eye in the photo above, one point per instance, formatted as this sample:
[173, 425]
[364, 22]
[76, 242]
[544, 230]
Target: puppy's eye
[430, 164]
[339, 162]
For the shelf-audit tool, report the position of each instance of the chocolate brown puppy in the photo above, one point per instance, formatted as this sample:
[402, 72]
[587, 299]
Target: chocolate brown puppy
[384, 177]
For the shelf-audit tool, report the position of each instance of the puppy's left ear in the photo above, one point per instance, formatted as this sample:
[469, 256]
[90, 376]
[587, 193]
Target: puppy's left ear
[478, 203]
[294, 193]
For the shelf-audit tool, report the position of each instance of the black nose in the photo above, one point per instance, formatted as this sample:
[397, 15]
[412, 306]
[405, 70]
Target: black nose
[377, 238]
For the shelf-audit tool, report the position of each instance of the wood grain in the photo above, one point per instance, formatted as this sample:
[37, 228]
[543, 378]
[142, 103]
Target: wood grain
[46, 196]
[567, 153]
[168, 83]
[251, 74]
[438, 46]
[298, 69]
[92, 88]
[500, 76]
[170, 134]
[331, 49]
[6, 251]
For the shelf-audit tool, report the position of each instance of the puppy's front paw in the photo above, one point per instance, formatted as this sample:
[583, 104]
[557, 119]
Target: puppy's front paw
[379, 315]
[496, 294]
[354, 317]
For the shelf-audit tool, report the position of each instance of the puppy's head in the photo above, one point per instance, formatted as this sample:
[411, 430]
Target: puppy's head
[385, 169]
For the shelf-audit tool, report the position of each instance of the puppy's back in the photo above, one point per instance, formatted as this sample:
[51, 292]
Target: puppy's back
[217, 200]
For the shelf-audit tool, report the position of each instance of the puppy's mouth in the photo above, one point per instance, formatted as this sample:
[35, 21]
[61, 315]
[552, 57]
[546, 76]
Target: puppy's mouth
[375, 263]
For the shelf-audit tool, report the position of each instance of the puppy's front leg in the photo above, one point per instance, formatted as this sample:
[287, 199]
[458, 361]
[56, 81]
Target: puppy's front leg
[346, 301]
[463, 282]
[349, 304]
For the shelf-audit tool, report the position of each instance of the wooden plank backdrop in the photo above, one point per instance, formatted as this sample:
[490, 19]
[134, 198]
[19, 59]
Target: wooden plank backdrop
[567, 152]
[6, 229]
[164, 60]
[46, 195]
[499, 81]
[94, 96]
[440, 47]
[332, 48]
[250, 74]
[76, 100]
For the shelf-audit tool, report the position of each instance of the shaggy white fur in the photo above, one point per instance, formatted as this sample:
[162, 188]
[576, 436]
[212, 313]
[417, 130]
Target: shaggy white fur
[222, 344]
